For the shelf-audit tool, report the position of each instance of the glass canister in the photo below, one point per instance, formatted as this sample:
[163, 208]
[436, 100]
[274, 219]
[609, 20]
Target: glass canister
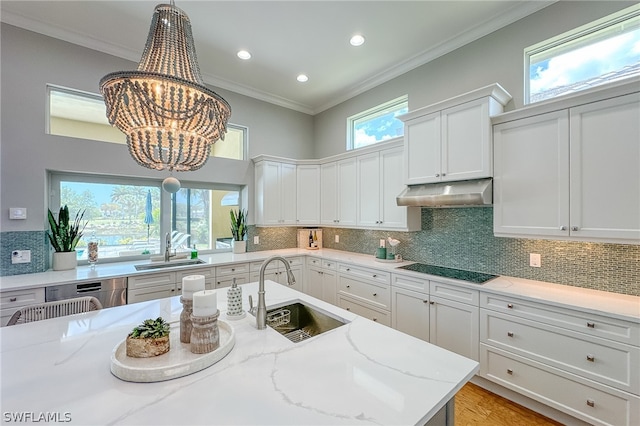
[92, 250]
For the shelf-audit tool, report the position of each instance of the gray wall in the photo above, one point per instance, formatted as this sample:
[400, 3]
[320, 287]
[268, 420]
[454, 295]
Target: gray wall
[31, 61]
[497, 57]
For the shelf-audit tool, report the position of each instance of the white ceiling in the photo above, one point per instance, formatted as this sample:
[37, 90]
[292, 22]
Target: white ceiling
[286, 38]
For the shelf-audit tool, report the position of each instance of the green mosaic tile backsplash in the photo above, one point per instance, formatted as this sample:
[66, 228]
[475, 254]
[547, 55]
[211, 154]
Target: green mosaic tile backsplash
[463, 238]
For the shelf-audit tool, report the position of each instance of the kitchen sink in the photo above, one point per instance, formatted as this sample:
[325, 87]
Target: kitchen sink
[170, 264]
[298, 322]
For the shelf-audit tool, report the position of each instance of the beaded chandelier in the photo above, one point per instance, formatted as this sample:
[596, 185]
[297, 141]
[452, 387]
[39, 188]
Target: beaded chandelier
[170, 118]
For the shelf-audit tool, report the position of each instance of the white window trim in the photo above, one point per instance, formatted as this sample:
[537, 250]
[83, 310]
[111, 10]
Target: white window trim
[371, 111]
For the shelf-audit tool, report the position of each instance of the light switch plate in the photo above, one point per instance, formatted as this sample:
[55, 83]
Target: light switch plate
[534, 260]
[21, 256]
[17, 213]
[256, 239]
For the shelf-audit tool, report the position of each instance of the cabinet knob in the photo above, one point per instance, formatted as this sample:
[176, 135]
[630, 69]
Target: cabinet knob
[13, 299]
[510, 333]
[591, 358]
[510, 305]
[574, 228]
[348, 269]
[591, 403]
[432, 303]
[233, 269]
[444, 174]
[348, 286]
[591, 325]
[425, 301]
[437, 174]
[173, 289]
[375, 319]
[348, 309]
[374, 275]
[563, 228]
[510, 371]
[375, 294]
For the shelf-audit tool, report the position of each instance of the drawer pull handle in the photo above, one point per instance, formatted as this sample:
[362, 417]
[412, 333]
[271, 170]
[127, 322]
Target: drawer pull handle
[510, 333]
[591, 403]
[510, 305]
[432, 303]
[510, 371]
[591, 325]
[591, 358]
[348, 269]
[374, 275]
[425, 301]
[13, 299]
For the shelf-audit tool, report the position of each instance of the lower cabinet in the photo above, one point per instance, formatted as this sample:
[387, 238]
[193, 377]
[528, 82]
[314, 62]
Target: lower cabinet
[364, 310]
[410, 306]
[276, 271]
[322, 280]
[366, 292]
[226, 274]
[152, 286]
[11, 301]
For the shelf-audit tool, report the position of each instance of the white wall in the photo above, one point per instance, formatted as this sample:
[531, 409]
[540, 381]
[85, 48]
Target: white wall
[497, 57]
[31, 61]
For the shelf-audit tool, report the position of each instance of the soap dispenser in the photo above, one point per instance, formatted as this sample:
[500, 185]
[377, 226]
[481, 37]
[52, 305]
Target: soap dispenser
[234, 302]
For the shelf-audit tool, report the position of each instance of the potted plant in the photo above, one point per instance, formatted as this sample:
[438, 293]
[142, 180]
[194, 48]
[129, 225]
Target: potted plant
[239, 230]
[149, 339]
[64, 236]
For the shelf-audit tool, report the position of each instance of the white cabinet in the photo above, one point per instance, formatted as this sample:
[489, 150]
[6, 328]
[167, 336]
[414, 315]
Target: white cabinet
[338, 189]
[208, 273]
[322, 279]
[277, 272]
[379, 182]
[584, 364]
[410, 306]
[453, 319]
[11, 301]
[366, 292]
[275, 193]
[226, 274]
[451, 140]
[308, 194]
[152, 286]
[573, 173]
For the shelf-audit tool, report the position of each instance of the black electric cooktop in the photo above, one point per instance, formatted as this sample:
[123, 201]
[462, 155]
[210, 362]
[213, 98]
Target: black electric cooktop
[457, 274]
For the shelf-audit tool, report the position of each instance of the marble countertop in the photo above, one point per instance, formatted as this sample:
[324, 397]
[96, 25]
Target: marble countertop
[359, 373]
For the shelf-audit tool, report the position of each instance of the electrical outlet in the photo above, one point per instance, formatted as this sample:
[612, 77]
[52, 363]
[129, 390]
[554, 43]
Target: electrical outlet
[256, 239]
[337, 238]
[21, 256]
[534, 260]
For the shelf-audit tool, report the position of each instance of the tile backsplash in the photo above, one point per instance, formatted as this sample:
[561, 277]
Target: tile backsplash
[457, 238]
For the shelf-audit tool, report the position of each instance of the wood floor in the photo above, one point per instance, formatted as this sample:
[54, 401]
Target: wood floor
[477, 406]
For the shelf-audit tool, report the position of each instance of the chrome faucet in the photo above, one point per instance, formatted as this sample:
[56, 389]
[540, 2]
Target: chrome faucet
[167, 245]
[261, 311]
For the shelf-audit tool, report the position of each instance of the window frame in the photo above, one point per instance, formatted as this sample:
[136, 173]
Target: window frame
[371, 114]
[571, 40]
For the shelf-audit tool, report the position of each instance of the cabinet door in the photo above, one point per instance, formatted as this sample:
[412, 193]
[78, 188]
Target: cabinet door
[605, 169]
[329, 286]
[308, 195]
[328, 194]
[531, 176]
[288, 194]
[391, 184]
[422, 149]
[347, 192]
[314, 282]
[410, 312]
[454, 326]
[466, 141]
[369, 181]
[268, 193]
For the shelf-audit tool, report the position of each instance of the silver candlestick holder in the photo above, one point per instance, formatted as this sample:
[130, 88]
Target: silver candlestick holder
[205, 335]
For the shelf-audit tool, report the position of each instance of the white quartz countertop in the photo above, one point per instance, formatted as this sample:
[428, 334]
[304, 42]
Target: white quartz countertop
[359, 373]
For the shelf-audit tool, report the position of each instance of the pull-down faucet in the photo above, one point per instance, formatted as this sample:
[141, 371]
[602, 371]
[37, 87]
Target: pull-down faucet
[261, 311]
[167, 245]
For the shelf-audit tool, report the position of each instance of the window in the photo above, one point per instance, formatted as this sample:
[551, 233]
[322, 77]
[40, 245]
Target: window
[376, 124]
[604, 51]
[126, 224]
[78, 114]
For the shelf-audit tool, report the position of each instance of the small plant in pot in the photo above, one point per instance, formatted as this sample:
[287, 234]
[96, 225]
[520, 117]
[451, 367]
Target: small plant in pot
[149, 339]
[239, 230]
[64, 235]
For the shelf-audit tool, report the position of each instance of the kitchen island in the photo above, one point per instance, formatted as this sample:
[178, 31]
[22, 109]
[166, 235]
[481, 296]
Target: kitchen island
[359, 373]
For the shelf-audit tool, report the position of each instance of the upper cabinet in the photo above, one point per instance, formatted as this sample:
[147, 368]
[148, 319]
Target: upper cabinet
[275, 193]
[338, 193]
[570, 169]
[308, 194]
[451, 140]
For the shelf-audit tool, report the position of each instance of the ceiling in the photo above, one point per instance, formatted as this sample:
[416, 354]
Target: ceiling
[285, 38]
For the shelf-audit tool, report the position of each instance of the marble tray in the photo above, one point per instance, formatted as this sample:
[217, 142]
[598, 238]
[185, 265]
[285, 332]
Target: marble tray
[178, 362]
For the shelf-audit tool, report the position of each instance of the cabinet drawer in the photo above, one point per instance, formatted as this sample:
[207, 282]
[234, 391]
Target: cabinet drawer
[19, 298]
[236, 268]
[604, 361]
[293, 261]
[579, 397]
[227, 281]
[330, 264]
[378, 295]
[364, 273]
[152, 280]
[314, 261]
[208, 273]
[591, 324]
[454, 292]
[370, 312]
[410, 283]
[142, 294]
[255, 266]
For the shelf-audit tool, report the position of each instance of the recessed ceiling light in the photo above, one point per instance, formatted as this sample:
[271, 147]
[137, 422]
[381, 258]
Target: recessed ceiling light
[243, 54]
[357, 40]
[302, 78]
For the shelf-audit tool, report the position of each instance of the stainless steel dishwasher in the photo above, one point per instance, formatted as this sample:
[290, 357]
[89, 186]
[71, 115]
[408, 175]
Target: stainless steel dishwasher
[111, 292]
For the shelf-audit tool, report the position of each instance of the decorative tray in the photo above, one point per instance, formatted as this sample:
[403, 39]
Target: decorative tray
[178, 362]
[387, 260]
[312, 248]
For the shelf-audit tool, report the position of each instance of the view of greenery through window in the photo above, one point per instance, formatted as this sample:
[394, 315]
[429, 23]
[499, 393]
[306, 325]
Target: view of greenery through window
[377, 124]
[126, 218]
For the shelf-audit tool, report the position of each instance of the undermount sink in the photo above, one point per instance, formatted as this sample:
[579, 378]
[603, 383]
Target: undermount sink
[170, 264]
[298, 322]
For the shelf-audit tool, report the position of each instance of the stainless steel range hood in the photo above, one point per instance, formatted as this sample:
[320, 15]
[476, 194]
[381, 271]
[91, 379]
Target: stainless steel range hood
[448, 194]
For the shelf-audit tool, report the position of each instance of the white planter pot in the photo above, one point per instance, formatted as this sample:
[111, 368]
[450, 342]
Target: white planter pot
[239, 246]
[63, 261]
